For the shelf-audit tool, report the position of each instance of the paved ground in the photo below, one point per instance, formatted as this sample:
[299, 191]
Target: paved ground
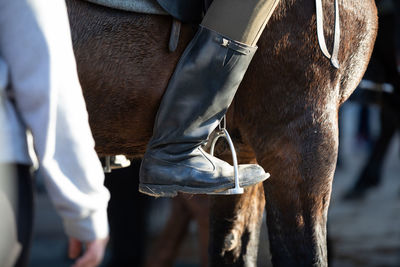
[363, 233]
[366, 232]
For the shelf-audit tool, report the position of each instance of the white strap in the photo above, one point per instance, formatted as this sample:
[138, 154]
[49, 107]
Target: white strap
[320, 33]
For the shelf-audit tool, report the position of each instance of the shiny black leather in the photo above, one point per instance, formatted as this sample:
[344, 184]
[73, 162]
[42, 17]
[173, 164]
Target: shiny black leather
[198, 95]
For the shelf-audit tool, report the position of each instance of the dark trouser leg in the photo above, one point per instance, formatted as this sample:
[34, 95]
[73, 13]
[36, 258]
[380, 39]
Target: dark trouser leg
[16, 207]
[25, 213]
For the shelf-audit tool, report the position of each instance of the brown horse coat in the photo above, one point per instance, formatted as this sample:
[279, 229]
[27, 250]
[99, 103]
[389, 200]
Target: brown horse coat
[284, 115]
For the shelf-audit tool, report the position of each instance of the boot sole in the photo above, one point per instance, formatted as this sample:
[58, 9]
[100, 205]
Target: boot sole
[173, 190]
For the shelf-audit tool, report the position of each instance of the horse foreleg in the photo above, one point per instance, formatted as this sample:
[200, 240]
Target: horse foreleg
[297, 194]
[235, 223]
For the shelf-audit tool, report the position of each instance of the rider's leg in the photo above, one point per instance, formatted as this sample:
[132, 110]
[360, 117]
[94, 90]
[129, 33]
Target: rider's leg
[240, 20]
[197, 97]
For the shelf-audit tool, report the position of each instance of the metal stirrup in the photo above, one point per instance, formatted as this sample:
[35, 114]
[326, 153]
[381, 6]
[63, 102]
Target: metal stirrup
[224, 133]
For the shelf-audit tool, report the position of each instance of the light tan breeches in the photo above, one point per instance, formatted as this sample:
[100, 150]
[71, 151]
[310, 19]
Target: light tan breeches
[240, 20]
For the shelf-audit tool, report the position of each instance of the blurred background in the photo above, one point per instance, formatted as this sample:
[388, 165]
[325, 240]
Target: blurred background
[364, 214]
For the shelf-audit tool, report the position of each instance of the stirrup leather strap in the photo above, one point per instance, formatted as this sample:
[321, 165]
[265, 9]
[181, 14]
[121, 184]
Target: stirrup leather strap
[320, 33]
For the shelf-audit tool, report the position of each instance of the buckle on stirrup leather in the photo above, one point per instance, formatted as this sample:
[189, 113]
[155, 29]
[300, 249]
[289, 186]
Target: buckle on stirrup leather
[222, 132]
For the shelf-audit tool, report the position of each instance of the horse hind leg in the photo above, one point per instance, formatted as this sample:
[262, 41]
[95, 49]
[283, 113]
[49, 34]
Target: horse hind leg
[235, 221]
[298, 192]
[235, 228]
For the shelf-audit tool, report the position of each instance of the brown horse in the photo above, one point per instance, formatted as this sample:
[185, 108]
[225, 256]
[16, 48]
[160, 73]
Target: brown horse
[284, 115]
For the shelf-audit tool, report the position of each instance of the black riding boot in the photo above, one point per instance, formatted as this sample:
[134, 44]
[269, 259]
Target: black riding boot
[198, 95]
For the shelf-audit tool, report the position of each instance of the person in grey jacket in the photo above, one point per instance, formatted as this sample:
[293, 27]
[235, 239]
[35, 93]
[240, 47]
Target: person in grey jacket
[40, 92]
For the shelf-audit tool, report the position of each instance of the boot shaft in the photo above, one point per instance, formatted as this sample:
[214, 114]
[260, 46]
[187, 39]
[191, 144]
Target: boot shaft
[200, 91]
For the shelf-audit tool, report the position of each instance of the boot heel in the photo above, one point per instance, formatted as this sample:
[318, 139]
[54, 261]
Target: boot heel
[158, 190]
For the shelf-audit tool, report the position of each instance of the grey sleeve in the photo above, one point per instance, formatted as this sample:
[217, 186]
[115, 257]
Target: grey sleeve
[36, 44]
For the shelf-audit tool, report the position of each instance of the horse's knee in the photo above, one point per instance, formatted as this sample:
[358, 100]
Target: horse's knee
[305, 169]
[304, 154]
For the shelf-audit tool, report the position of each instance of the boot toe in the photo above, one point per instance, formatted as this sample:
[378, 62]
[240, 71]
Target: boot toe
[250, 174]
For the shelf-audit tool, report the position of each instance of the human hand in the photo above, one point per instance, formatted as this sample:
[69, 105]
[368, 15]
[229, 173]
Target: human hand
[93, 254]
